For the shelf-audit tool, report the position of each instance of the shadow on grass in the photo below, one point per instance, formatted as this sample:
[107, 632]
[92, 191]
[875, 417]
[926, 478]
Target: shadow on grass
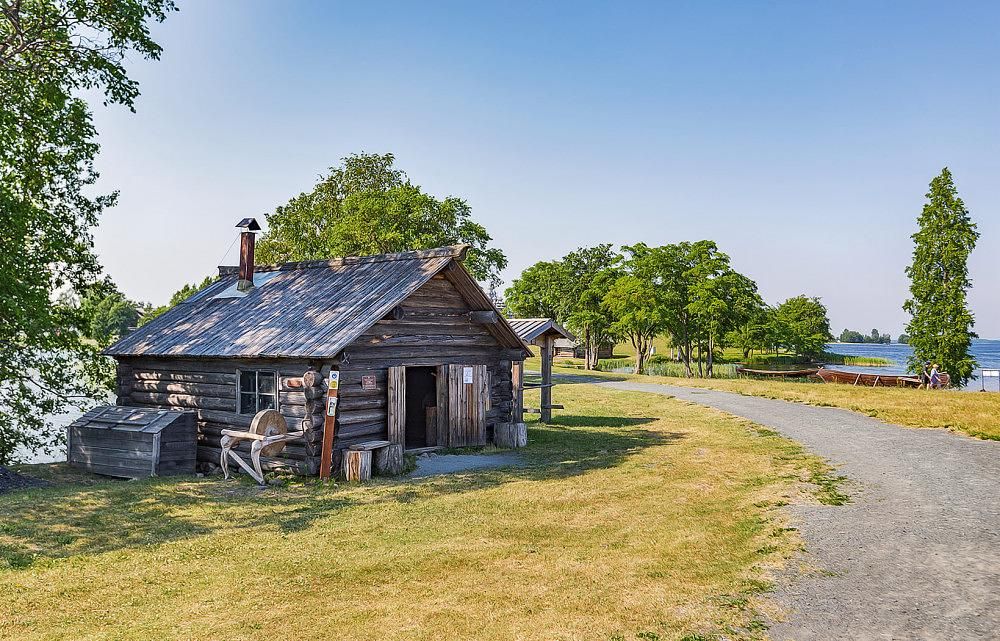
[73, 520]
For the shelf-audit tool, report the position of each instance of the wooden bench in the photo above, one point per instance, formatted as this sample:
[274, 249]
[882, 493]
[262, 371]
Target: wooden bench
[357, 465]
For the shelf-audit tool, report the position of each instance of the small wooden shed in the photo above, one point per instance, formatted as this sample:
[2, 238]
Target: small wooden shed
[542, 332]
[405, 348]
[133, 442]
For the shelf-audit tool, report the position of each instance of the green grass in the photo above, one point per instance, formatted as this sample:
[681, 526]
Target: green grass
[663, 367]
[635, 516]
[971, 413]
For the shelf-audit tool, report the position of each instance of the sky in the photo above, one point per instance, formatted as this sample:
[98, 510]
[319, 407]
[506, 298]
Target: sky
[800, 136]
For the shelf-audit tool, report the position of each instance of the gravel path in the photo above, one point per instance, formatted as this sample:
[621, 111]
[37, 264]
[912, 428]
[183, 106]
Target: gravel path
[434, 464]
[915, 555]
[11, 480]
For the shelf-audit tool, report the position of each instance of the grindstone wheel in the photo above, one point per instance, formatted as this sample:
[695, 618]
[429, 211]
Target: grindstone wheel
[270, 423]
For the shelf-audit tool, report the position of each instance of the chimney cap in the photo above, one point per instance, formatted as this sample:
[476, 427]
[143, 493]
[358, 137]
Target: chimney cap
[249, 223]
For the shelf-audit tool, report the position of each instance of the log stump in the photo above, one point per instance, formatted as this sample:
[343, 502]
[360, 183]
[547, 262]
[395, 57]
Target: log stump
[357, 466]
[389, 460]
[510, 435]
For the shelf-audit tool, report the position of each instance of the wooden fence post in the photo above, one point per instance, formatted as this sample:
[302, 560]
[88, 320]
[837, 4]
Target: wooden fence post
[547, 379]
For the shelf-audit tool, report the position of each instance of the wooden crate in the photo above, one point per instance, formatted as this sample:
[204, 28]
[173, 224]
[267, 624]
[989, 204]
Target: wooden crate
[131, 442]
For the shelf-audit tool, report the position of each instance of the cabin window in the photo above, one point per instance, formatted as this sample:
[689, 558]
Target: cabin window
[258, 391]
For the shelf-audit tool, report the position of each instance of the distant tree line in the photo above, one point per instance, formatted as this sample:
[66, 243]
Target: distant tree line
[851, 336]
[686, 291]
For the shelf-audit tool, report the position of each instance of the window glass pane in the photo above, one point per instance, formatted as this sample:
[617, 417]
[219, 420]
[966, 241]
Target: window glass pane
[248, 404]
[248, 381]
[265, 402]
[265, 382]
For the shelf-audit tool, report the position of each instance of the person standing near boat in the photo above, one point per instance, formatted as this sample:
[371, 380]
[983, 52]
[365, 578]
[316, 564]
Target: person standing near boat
[925, 376]
[935, 377]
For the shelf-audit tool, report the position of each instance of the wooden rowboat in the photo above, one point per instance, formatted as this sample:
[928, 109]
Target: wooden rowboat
[873, 380]
[779, 373]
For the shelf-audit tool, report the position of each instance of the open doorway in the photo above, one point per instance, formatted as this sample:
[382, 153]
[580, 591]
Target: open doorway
[421, 410]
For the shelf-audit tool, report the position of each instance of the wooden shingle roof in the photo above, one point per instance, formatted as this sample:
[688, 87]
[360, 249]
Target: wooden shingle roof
[309, 309]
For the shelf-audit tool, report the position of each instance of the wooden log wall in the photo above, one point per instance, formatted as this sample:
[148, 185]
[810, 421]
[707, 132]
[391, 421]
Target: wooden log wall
[210, 388]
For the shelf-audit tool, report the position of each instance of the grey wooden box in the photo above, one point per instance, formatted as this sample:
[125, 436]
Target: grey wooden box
[132, 442]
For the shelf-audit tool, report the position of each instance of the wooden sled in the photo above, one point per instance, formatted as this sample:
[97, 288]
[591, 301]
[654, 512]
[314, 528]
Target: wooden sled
[269, 433]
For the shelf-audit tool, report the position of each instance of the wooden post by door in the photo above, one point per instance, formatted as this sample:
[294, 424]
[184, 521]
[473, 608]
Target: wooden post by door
[329, 422]
[396, 410]
[443, 432]
[517, 383]
[547, 379]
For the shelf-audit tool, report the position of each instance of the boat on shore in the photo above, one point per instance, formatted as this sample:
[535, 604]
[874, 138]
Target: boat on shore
[778, 373]
[873, 380]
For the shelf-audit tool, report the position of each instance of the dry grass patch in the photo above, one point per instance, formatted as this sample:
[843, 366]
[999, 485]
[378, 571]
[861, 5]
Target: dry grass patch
[635, 516]
[975, 414]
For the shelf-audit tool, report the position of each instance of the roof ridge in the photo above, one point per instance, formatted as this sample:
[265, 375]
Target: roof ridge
[457, 252]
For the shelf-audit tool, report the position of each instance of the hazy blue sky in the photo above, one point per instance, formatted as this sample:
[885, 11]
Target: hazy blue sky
[801, 135]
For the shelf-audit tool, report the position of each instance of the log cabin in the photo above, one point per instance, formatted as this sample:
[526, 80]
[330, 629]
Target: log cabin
[419, 355]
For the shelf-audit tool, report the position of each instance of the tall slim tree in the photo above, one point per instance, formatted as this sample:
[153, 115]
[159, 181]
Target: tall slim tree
[51, 51]
[940, 327]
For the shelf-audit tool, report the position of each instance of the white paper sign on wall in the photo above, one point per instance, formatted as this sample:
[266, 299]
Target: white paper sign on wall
[467, 375]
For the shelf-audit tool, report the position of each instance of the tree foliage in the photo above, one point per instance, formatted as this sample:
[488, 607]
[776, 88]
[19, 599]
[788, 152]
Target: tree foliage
[638, 315]
[803, 325]
[368, 206]
[940, 327]
[50, 51]
[181, 295]
[106, 313]
[687, 291]
[571, 291]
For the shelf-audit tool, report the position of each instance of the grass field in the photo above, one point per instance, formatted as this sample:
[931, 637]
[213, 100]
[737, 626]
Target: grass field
[635, 517]
[971, 413]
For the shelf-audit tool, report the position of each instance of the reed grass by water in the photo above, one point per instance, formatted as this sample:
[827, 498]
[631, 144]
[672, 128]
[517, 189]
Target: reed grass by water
[663, 367]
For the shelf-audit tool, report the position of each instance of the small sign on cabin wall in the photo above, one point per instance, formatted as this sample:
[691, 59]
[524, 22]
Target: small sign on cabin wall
[331, 406]
[467, 375]
[334, 380]
[368, 383]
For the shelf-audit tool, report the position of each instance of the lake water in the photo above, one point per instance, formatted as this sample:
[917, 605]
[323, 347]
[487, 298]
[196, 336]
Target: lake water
[987, 353]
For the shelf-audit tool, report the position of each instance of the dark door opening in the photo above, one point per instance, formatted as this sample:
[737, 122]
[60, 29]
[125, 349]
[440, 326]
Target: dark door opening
[421, 410]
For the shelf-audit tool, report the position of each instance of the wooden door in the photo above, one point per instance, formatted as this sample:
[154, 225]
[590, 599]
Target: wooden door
[396, 408]
[468, 400]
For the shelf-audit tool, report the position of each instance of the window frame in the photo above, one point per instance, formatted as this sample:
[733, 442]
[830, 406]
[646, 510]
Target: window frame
[256, 393]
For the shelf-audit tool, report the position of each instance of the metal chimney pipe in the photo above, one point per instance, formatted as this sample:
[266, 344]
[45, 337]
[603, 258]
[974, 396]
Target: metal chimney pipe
[247, 241]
